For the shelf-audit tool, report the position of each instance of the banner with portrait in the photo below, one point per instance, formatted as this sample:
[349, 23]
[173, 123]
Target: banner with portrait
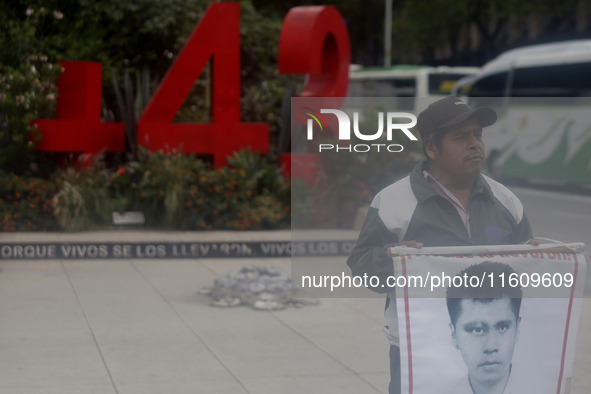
[488, 318]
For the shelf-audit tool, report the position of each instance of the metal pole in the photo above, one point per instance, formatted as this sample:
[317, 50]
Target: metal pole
[388, 34]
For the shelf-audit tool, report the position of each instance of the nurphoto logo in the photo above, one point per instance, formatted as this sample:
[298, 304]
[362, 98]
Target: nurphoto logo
[390, 124]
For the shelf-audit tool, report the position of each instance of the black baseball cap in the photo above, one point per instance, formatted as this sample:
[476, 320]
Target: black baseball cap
[450, 111]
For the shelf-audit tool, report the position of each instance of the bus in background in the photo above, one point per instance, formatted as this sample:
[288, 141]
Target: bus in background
[418, 85]
[542, 95]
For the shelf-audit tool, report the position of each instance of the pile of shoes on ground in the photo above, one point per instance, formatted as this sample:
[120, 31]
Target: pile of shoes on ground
[259, 287]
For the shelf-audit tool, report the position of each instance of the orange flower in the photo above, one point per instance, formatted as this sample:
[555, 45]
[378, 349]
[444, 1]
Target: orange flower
[121, 171]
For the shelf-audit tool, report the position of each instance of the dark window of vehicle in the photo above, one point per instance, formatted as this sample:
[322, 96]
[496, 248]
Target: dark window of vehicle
[489, 86]
[562, 80]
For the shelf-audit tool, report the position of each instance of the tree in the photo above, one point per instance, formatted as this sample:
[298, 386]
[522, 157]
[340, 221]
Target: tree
[466, 32]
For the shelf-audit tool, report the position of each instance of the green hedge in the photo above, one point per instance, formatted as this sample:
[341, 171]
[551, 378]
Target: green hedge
[174, 191]
[26, 204]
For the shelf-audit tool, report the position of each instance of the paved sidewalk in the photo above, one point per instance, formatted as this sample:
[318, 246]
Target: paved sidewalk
[140, 326]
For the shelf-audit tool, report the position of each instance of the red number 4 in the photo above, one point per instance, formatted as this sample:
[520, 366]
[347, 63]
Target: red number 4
[217, 37]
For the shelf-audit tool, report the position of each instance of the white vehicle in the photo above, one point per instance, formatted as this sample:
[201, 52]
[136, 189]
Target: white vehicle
[541, 94]
[419, 85]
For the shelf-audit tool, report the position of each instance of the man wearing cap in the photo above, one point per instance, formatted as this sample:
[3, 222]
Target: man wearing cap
[445, 201]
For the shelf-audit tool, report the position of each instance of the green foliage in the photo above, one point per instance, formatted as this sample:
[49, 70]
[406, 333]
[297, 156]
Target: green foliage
[423, 27]
[258, 170]
[27, 85]
[263, 89]
[226, 199]
[304, 212]
[157, 184]
[176, 191]
[83, 201]
[132, 33]
[132, 98]
[26, 203]
[350, 180]
[70, 203]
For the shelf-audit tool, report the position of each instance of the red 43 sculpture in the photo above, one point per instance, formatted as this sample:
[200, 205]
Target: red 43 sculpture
[313, 41]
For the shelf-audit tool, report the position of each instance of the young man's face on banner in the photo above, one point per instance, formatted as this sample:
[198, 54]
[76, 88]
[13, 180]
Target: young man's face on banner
[485, 333]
